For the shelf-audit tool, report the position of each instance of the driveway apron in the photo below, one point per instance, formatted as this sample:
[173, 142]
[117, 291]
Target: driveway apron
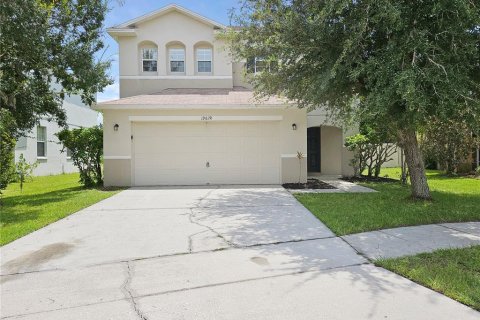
[214, 252]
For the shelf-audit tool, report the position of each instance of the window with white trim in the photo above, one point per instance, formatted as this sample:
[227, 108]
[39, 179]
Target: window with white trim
[176, 57]
[149, 59]
[41, 141]
[204, 60]
[259, 64]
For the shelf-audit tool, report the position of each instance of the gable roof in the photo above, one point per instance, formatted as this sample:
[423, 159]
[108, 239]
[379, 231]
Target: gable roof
[169, 8]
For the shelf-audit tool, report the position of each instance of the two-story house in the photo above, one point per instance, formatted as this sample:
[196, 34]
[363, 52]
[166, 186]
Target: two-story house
[186, 115]
[41, 145]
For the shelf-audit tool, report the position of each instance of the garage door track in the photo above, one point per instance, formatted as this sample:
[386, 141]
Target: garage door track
[203, 253]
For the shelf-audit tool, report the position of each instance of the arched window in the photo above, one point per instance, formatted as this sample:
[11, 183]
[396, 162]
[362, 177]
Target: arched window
[203, 58]
[176, 58]
[148, 56]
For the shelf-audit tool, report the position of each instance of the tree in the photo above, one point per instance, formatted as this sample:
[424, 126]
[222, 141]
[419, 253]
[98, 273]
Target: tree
[86, 149]
[47, 51]
[449, 142]
[397, 63]
[7, 147]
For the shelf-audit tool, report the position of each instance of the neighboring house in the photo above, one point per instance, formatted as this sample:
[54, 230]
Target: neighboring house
[186, 115]
[42, 145]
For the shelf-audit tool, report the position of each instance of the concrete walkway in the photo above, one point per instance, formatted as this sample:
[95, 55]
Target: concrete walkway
[397, 242]
[203, 253]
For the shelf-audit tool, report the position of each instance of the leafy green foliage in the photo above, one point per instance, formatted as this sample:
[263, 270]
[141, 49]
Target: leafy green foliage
[396, 64]
[7, 146]
[86, 149]
[370, 150]
[24, 170]
[47, 51]
[449, 142]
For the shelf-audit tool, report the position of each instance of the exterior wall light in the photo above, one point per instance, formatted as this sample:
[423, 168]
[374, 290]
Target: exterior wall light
[115, 127]
[294, 126]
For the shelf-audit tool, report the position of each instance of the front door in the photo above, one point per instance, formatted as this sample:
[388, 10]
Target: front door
[313, 149]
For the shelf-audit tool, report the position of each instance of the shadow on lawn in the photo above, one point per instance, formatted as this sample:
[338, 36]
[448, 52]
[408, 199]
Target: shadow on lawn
[25, 207]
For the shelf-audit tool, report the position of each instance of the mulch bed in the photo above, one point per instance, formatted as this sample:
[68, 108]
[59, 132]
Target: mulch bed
[368, 179]
[311, 184]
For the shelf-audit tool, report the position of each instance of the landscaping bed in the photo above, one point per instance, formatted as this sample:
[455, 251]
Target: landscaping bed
[311, 184]
[368, 179]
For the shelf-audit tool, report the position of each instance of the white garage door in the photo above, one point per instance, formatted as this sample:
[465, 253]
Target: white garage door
[198, 153]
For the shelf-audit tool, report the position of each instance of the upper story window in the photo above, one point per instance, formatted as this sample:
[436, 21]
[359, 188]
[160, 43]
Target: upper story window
[177, 60]
[41, 141]
[149, 59]
[204, 60]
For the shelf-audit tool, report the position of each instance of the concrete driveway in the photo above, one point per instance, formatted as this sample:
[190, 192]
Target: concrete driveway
[203, 253]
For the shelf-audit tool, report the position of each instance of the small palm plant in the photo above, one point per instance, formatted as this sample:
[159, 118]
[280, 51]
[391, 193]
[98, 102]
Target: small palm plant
[300, 157]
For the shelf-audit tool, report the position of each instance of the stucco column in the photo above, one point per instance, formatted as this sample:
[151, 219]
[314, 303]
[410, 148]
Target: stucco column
[189, 60]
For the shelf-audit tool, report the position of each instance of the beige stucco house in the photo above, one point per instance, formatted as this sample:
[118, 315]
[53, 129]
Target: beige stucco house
[186, 115]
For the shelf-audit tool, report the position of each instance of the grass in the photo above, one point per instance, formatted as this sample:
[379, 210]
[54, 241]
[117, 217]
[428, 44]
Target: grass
[43, 201]
[452, 272]
[456, 199]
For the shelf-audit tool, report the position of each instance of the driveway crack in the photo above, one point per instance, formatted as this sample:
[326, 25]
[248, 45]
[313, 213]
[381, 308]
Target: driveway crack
[128, 292]
[192, 220]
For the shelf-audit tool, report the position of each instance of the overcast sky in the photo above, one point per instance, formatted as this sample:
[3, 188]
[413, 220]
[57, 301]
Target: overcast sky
[216, 10]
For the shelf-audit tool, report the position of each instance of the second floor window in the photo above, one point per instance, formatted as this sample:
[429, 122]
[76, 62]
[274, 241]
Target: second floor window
[204, 60]
[177, 60]
[149, 60]
[41, 141]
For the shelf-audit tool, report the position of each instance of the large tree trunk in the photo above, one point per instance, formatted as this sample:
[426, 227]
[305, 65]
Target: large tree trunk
[416, 167]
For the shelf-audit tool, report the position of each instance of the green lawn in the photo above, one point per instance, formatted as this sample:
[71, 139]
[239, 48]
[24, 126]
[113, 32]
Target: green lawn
[456, 199]
[43, 201]
[453, 272]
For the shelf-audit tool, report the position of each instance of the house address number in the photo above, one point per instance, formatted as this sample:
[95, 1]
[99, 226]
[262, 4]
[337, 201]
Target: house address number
[206, 118]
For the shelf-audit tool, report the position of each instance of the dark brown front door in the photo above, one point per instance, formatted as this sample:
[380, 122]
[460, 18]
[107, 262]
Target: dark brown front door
[313, 149]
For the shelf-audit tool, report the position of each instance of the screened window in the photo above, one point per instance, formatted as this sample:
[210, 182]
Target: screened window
[69, 153]
[204, 60]
[149, 60]
[41, 141]
[177, 60]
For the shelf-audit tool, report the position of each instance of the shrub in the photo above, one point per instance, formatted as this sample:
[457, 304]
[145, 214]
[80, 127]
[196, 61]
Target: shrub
[86, 149]
[24, 170]
[449, 142]
[369, 153]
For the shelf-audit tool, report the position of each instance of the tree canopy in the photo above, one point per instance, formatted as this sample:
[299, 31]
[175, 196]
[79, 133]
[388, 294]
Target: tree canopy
[47, 50]
[395, 64]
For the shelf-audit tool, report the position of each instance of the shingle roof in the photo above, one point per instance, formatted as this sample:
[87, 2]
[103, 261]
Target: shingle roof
[182, 97]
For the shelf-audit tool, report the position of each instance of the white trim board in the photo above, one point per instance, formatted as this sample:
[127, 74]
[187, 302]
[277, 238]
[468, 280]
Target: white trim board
[106, 106]
[117, 157]
[175, 77]
[202, 118]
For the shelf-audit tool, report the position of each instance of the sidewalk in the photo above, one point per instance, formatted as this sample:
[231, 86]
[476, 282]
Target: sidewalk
[397, 242]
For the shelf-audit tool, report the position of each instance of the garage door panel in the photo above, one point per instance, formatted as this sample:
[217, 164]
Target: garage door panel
[177, 153]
